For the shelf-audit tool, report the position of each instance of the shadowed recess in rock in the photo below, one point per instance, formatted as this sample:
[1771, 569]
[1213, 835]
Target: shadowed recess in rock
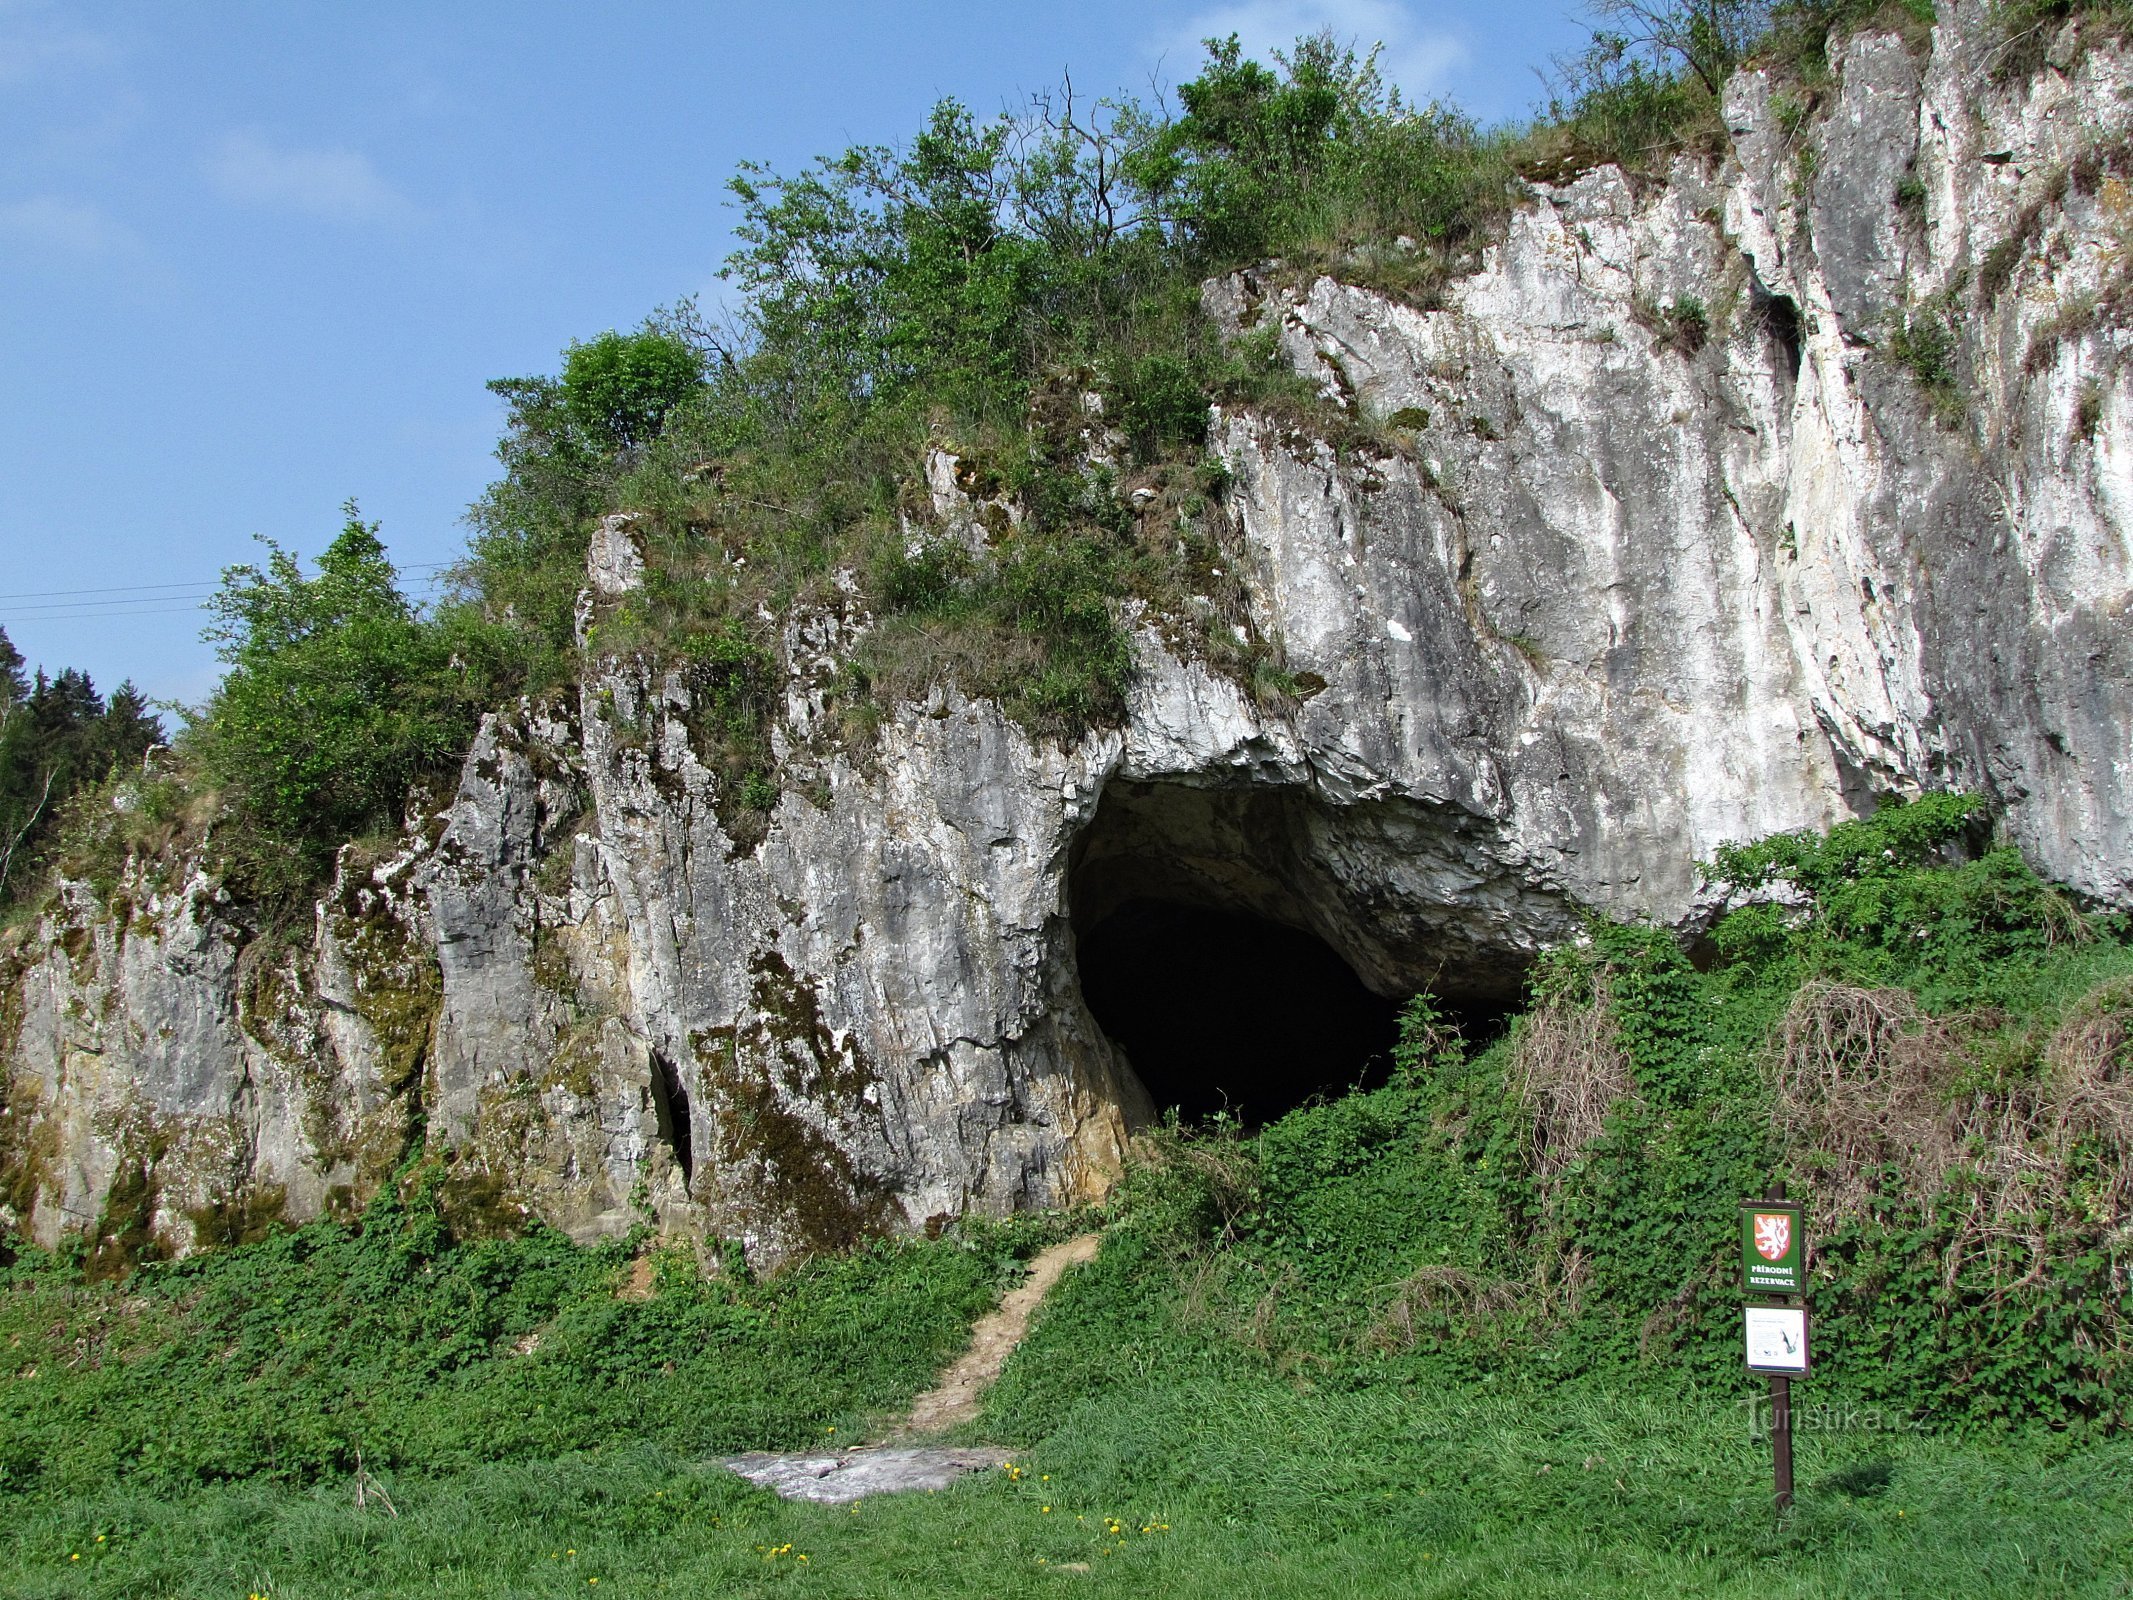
[1222, 1011]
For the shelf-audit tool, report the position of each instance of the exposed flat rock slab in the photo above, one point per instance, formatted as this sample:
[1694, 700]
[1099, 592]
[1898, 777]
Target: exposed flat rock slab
[854, 1474]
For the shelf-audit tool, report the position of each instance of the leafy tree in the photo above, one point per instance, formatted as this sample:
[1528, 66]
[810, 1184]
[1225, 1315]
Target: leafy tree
[888, 270]
[1252, 144]
[565, 443]
[617, 390]
[1707, 38]
[338, 696]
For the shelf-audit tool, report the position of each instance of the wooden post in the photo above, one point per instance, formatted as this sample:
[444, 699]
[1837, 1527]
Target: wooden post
[1781, 1439]
[1781, 1417]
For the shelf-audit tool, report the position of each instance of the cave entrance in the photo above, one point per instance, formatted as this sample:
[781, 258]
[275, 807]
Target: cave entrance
[1222, 1011]
[1248, 949]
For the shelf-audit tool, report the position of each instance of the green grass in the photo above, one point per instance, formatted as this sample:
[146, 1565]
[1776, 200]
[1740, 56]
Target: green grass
[1219, 1488]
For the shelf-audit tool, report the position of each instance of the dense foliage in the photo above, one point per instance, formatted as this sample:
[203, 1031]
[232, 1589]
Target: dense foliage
[58, 736]
[1928, 1043]
[338, 695]
[394, 1341]
[1021, 292]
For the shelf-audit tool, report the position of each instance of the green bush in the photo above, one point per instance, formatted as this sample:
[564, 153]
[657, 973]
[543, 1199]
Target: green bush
[1162, 407]
[1923, 341]
[618, 390]
[339, 695]
[427, 1353]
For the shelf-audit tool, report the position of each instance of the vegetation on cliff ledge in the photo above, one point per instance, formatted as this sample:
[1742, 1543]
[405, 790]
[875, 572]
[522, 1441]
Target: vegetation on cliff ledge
[1015, 299]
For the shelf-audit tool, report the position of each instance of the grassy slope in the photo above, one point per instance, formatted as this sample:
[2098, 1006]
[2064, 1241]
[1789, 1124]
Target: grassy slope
[292, 1360]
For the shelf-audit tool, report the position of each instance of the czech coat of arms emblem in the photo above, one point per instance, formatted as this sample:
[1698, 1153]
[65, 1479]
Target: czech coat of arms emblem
[1773, 1234]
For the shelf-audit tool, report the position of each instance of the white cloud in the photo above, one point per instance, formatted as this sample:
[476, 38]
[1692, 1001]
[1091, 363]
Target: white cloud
[1416, 58]
[74, 229]
[332, 185]
[34, 45]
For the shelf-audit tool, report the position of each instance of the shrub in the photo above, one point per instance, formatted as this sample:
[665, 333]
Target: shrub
[1682, 325]
[339, 695]
[618, 390]
[400, 1342]
[1163, 406]
[1924, 342]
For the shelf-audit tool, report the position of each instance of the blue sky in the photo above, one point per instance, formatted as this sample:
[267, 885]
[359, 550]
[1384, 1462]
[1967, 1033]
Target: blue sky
[257, 258]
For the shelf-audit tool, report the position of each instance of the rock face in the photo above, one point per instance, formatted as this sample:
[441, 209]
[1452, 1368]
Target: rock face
[1706, 508]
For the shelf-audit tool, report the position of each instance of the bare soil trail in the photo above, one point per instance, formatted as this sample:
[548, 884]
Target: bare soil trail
[900, 1461]
[954, 1400]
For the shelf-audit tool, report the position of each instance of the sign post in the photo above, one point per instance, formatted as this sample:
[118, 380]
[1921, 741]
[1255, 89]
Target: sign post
[1774, 1262]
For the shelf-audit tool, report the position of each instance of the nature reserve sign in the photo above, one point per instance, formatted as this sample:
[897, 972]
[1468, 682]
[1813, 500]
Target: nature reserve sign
[1773, 1255]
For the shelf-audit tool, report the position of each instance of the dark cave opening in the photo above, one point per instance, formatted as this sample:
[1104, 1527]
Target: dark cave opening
[1780, 316]
[671, 1115]
[1248, 948]
[1223, 1011]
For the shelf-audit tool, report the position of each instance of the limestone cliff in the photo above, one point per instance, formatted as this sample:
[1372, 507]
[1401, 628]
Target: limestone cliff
[1658, 534]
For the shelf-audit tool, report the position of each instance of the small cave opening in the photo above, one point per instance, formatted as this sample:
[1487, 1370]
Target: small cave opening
[671, 1115]
[1249, 949]
[1780, 317]
[1222, 1011]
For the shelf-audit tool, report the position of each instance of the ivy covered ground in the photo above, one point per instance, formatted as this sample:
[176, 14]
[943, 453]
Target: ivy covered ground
[1470, 1332]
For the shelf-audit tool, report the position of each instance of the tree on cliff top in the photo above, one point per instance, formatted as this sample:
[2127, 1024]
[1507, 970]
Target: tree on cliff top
[57, 736]
[339, 695]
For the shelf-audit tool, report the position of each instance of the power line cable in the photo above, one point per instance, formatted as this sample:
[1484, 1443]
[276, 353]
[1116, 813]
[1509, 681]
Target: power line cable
[95, 607]
[124, 588]
[185, 583]
[105, 616]
[134, 605]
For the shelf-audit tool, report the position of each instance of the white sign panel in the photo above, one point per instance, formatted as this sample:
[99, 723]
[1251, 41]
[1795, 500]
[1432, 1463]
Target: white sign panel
[1777, 1340]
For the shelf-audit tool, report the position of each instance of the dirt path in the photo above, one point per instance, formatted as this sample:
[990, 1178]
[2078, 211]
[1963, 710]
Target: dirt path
[954, 1400]
[899, 1462]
